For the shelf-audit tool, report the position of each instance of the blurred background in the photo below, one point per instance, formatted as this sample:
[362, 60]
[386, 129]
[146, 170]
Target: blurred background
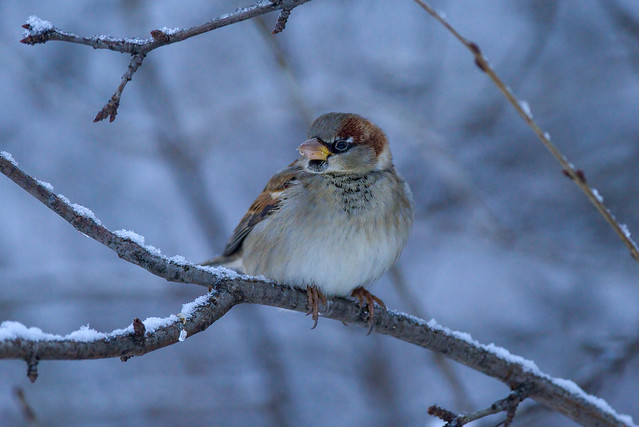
[503, 247]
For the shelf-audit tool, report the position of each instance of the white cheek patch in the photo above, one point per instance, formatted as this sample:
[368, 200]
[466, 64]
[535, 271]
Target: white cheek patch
[384, 160]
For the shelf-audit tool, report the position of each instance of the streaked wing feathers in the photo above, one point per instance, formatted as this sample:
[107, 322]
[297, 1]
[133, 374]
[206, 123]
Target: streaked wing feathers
[265, 204]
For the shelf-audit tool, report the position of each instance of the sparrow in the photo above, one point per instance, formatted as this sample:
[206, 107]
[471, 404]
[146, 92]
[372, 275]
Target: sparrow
[333, 221]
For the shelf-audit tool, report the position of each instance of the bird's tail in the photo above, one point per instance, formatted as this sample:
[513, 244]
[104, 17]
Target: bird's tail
[233, 262]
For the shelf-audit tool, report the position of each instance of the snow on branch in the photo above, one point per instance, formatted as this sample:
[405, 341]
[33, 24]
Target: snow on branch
[31, 344]
[522, 107]
[39, 31]
[560, 395]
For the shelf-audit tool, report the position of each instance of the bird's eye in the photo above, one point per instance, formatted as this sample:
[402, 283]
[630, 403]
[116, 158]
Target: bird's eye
[341, 145]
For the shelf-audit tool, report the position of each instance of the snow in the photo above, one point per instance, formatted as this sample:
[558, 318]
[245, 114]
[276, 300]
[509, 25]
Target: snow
[502, 353]
[222, 272]
[79, 209]
[10, 330]
[136, 238]
[107, 38]
[179, 260]
[574, 389]
[530, 366]
[136, 40]
[86, 334]
[598, 196]
[626, 231]
[526, 108]
[414, 319]
[218, 271]
[547, 136]
[154, 323]
[9, 157]
[130, 235]
[183, 335]
[240, 10]
[189, 308]
[37, 26]
[85, 212]
[490, 275]
[46, 185]
[170, 31]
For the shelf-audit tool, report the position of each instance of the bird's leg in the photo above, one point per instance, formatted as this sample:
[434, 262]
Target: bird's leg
[315, 298]
[367, 299]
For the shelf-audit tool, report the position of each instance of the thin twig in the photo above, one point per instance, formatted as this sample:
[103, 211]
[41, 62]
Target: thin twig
[509, 404]
[577, 175]
[281, 20]
[39, 31]
[561, 395]
[110, 109]
[612, 360]
[294, 88]
[27, 410]
[592, 377]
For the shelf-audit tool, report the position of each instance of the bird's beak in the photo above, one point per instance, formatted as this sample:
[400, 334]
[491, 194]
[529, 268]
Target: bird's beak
[313, 150]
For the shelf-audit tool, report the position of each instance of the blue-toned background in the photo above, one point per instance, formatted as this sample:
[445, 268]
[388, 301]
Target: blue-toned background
[504, 246]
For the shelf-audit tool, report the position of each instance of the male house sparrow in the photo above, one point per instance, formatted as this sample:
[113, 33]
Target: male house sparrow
[333, 221]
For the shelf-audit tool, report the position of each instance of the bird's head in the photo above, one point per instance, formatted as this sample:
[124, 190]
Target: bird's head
[345, 143]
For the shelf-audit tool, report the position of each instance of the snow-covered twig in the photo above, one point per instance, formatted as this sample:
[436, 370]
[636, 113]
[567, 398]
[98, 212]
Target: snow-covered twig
[522, 107]
[229, 289]
[613, 360]
[32, 345]
[39, 31]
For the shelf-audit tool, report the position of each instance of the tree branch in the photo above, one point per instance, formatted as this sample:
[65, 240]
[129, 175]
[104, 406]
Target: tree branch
[110, 109]
[25, 407]
[38, 31]
[31, 344]
[508, 404]
[561, 395]
[522, 107]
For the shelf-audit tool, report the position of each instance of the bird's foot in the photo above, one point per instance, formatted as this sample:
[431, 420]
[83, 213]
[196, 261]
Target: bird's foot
[368, 300]
[315, 298]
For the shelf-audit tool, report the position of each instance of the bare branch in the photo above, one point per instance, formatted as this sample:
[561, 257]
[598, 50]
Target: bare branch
[292, 83]
[508, 404]
[561, 395]
[39, 31]
[161, 37]
[523, 109]
[32, 367]
[613, 360]
[281, 20]
[110, 109]
[27, 410]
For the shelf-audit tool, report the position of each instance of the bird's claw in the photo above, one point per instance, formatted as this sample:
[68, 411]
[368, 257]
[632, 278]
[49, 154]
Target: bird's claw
[315, 298]
[368, 300]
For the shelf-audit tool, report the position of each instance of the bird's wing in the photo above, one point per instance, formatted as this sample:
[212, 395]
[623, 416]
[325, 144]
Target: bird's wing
[265, 204]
